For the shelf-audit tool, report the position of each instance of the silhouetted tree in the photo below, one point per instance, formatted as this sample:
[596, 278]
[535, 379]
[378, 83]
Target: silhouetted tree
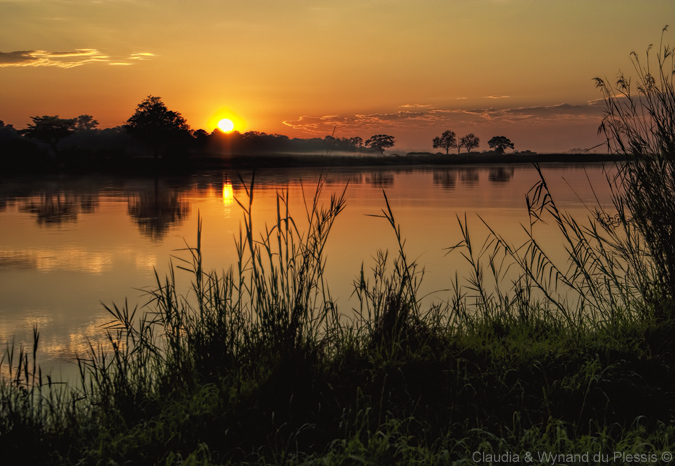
[380, 142]
[50, 129]
[85, 123]
[469, 142]
[500, 143]
[155, 124]
[447, 140]
[357, 142]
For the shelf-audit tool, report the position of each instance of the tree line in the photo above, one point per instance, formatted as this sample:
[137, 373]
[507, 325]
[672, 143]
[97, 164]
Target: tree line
[155, 130]
[165, 133]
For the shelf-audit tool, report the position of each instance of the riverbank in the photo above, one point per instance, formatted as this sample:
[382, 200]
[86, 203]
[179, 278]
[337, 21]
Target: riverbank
[82, 163]
[413, 158]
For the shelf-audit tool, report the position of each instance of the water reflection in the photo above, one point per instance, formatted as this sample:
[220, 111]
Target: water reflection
[469, 176]
[500, 174]
[228, 194]
[380, 179]
[342, 179]
[156, 211]
[15, 260]
[52, 208]
[46, 260]
[107, 257]
[89, 203]
[445, 178]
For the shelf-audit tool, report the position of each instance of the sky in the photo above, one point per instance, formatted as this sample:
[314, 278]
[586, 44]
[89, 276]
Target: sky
[522, 69]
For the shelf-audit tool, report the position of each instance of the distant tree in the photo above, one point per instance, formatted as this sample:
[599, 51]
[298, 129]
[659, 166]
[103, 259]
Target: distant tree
[380, 142]
[85, 123]
[357, 142]
[50, 129]
[447, 141]
[500, 144]
[469, 142]
[155, 124]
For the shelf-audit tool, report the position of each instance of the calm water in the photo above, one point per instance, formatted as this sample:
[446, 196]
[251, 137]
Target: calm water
[68, 244]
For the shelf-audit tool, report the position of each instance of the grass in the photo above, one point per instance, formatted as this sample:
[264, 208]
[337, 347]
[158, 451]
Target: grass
[256, 365]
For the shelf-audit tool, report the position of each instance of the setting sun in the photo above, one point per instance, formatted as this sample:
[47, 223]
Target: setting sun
[226, 125]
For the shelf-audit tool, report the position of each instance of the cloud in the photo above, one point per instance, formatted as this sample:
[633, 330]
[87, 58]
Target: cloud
[65, 60]
[141, 56]
[419, 117]
[71, 59]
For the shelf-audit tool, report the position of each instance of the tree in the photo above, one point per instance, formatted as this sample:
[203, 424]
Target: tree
[500, 143]
[380, 142]
[469, 142]
[85, 123]
[357, 142]
[447, 140]
[50, 129]
[155, 124]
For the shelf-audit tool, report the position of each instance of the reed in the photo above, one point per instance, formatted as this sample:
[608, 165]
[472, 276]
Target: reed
[640, 123]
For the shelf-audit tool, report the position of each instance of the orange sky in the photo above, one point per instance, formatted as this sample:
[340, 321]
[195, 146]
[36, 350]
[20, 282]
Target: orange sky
[409, 68]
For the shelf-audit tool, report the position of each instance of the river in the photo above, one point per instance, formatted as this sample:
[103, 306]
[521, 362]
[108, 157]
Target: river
[70, 243]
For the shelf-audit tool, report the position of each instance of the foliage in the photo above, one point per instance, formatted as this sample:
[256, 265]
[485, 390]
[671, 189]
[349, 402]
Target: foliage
[447, 141]
[85, 123]
[641, 125]
[50, 129]
[469, 142]
[500, 143]
[155, 124]
[380, 142]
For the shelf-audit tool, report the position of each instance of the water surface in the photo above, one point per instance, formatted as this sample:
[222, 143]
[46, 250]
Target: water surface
[68, 244]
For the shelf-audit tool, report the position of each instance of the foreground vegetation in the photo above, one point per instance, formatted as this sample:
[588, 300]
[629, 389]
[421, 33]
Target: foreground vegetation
[528, 360]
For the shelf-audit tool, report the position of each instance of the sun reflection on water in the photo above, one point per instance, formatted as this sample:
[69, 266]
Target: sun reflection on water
[228, 194]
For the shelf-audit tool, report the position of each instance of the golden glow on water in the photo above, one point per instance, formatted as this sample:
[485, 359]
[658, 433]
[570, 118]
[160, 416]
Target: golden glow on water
[228, 194]
[48, 260]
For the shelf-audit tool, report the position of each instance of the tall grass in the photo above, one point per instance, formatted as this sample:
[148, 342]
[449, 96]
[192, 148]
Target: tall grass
[640, 123]
[256, 363]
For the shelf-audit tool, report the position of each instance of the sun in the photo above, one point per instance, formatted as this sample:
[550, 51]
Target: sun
[226, 125]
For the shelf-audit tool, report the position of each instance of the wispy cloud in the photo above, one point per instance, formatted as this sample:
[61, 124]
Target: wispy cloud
[141, 56]
[418, 116]
[68, 59]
